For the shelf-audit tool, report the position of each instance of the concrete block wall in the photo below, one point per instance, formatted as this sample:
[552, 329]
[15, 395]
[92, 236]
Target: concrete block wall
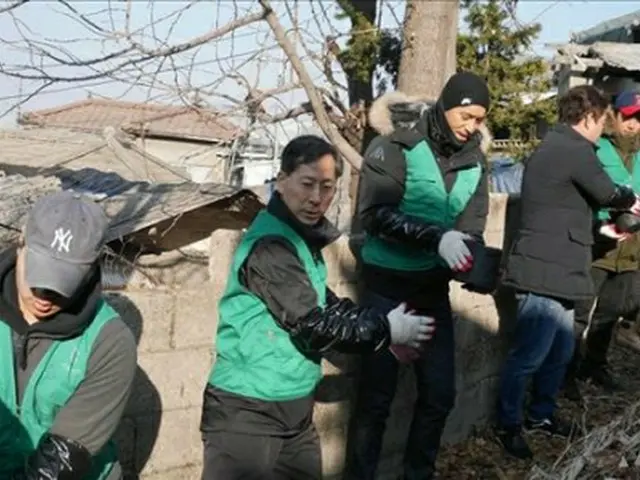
[159, 436]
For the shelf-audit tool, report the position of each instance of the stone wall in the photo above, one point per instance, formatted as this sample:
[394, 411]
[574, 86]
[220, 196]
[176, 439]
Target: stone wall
[159, 435]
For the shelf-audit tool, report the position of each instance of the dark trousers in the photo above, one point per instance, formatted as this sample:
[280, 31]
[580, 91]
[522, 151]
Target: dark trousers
[237, 456]
[435, 377]
[601, 325]
[542, 349]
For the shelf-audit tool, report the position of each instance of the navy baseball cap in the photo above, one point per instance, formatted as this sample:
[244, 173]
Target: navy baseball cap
[628, 103]
[63, 237]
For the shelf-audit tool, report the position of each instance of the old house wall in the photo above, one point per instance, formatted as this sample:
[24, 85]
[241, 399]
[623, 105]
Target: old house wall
[176, 324]
[204, 162]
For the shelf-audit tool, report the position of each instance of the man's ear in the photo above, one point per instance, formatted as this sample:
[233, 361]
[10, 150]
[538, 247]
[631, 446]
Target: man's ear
[281, 177]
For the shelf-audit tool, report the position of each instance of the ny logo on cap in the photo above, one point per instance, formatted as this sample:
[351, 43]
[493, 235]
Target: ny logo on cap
[61, 240]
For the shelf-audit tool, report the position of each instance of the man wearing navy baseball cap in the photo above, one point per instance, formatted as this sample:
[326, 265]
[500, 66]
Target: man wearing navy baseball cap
[67, 360]
[628, 104]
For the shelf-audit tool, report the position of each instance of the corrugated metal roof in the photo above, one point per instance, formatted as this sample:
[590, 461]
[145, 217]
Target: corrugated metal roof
[625, 56]
[609, 30]
[132, 206]
[618, 55]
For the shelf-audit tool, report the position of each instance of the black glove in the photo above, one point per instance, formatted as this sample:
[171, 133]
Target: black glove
[56, 458]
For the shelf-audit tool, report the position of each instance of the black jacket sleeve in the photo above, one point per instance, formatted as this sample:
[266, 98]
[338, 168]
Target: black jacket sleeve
[589, 175]
[274, 273]
[473, 218]
[56, 458]
[380, 192]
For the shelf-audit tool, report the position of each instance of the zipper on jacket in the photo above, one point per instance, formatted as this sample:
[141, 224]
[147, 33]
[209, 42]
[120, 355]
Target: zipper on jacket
[19, 345]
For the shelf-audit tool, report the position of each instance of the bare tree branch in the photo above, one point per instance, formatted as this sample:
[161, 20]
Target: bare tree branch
[147, 54]
[12, 6]
[329, 129]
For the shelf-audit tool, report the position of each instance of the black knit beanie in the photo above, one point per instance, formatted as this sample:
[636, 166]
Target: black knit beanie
[465, 88]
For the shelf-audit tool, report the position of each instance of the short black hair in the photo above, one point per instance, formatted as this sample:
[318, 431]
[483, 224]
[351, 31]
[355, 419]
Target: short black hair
[307, 149]
[580, 101]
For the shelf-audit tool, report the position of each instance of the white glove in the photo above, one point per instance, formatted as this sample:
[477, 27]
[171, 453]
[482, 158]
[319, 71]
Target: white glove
[407, 328]
[454, 251]
[609, 230]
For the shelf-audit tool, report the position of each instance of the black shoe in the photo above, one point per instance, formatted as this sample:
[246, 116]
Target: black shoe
[513, 442]
[601, 376]
[550, 426]
[571, 389]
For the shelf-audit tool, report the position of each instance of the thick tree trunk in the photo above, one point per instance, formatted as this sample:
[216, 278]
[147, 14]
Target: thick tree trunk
[360, 98]
[428, 58]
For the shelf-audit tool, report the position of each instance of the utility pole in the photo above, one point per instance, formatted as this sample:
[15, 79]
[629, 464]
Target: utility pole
[430, 32]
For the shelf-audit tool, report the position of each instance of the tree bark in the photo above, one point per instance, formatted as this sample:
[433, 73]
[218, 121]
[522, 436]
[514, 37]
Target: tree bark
[350, 154]
[430, 32]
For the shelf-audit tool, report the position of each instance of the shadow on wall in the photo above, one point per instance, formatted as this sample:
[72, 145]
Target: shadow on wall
[339, 385]
[138, 430]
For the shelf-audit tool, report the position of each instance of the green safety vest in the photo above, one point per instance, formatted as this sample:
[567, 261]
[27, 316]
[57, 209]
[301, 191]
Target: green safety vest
[50, 387]
[426, 198]
[613, 164]
[255, 357]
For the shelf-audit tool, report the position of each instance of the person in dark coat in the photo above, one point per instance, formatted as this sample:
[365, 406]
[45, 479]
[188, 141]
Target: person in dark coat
[549, 260]
[422, 195]
[616, 262]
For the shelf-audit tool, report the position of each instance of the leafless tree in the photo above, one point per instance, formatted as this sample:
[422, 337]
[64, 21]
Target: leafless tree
[150, 54]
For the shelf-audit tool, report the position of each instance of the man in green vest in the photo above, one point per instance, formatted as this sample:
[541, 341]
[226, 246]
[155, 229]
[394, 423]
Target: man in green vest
[67, 360]
[422, 196]
[276, 319]
[617, 259]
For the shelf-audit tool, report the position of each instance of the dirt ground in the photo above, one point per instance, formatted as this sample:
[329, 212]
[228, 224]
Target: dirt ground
[481, 458]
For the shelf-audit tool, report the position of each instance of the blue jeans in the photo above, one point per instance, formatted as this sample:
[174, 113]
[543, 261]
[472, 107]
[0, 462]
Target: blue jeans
[542, 348]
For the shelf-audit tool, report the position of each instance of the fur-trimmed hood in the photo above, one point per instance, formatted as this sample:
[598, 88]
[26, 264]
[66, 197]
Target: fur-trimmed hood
[399, 110]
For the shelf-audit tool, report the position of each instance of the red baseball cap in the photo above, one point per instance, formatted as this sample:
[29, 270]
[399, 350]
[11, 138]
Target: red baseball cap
[628, 103]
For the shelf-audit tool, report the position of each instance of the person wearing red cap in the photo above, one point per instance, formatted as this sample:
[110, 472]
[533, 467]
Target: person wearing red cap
[627, 104]
[615, 265]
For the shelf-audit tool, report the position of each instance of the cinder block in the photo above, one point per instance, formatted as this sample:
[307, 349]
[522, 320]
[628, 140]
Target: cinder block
[341, 265]
[328, 417]
[191, 472]
[196, 317]
[179, 376]
[149, 313]
[222, 245]
[475, 406]
[178, 443]
[333, 445]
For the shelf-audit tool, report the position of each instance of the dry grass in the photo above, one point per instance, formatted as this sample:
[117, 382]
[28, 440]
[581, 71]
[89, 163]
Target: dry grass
[609, 450]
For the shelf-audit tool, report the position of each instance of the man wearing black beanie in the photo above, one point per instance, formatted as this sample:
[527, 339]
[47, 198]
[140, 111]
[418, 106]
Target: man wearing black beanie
[422, 199]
